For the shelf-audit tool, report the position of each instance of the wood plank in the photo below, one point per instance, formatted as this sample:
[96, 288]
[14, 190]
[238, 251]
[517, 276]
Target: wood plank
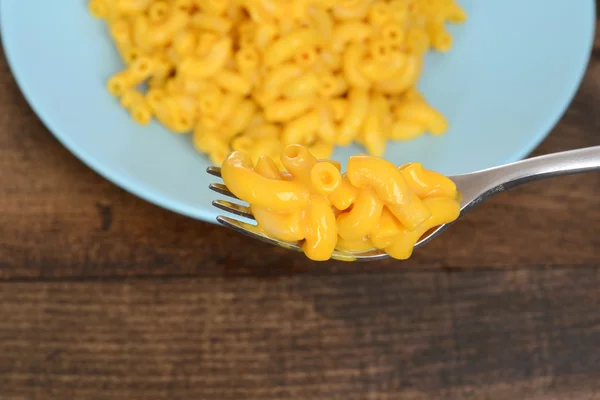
[404, 334]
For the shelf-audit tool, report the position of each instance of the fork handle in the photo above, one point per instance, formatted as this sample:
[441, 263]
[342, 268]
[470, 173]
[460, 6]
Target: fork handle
[488, 182]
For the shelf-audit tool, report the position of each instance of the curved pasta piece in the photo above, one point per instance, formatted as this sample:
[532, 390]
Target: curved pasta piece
[443, 211]
[152, 37]
[455, 13]
[321, 230]
[299, 162]
[325, 177]
[284, 48]
[386, 230]
[355, 246]
[266, 167]
[389, 184]
[406, 130]
[422, 113]
[347, 32]
[278, 77]
[141, 113]
[233, 82]
[209, 65]
[427, 183]
[286, 110]
[303, 86]
[354, 56]
[242, 116]
[327, 130]
[362, 218]
[287, 226]
[301, 130]
[405, 78]
[240, 177]
[380, 175]
[331, 85]
[131, 98]
[374, 132]
[344, 196]
[358, 106]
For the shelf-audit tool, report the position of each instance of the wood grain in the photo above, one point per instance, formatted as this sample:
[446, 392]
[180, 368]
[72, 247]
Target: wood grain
[104, 296]
[412, 335]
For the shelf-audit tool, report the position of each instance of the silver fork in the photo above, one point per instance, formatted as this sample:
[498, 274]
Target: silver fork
[475, 187]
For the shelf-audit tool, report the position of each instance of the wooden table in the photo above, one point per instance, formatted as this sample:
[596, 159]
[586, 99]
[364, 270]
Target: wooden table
[104, 296]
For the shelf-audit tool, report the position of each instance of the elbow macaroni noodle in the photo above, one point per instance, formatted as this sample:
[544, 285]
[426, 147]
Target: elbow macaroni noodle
[375, 205]
[314, 72]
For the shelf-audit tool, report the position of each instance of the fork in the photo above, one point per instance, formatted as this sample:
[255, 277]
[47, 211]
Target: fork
[475, 187]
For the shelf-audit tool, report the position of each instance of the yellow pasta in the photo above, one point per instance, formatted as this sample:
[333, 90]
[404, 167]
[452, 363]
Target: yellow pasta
[390, 186]
[233, 82]
[375, 205]
[316, 72]
[327, 130]
[353, 57]
[209, 65]
[347, 32]
[141, 113]
[358, 107]
[212, 23]
[325, 177]
[363, 218]
[242, 117]
[287, 110]
[284, 48]
[375, 126]
[302, 129]
[284, 196]
[306, 85]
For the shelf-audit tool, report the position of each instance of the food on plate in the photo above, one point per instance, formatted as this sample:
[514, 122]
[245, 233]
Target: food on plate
[374, 205]
[258, 75]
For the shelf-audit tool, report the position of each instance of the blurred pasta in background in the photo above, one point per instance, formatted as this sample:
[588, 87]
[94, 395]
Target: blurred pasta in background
[257, 75]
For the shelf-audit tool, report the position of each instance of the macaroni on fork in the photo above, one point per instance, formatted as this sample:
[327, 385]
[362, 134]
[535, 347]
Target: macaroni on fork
[258, 75]
[375, 205]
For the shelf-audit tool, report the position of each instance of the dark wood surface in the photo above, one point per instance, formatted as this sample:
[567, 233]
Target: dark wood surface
[104, 296]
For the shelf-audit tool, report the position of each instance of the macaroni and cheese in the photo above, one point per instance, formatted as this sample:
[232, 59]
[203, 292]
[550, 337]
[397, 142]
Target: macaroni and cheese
[375, 205]
[257, 75]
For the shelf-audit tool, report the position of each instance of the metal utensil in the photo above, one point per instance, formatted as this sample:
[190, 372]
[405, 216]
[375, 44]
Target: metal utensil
[475, 187]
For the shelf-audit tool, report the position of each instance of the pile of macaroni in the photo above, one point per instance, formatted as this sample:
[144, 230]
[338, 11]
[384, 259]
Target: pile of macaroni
[375, 205]
[257, 75]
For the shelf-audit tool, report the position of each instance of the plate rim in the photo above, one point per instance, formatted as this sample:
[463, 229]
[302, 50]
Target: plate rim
[170, 203]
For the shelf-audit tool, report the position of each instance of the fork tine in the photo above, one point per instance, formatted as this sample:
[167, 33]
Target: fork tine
[222, 189]
[233, 208]
[214, 171]
[252, 231]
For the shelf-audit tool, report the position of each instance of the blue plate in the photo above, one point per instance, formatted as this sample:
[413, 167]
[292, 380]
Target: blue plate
[514, 69]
